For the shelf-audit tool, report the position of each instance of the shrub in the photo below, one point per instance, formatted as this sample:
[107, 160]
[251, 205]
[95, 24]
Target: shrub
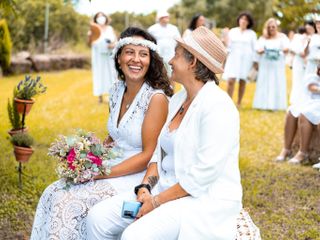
[5, 45]
[28, 88]
[22, 140]
[13, 114]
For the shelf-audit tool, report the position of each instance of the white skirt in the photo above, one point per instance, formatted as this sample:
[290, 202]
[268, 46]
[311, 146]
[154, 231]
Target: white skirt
[61, 214]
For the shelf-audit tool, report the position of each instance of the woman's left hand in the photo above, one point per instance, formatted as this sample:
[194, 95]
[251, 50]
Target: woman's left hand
[147, 206]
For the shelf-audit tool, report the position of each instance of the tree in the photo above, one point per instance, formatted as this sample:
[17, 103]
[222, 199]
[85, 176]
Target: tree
[5, 45]
[27, 26]
[7, 6]
[292, 13]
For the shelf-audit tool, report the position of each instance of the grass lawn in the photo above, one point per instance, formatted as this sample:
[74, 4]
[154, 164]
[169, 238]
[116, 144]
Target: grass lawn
[283, 200]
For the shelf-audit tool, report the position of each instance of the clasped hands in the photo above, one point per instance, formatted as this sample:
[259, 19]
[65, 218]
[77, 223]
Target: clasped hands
[148, 202]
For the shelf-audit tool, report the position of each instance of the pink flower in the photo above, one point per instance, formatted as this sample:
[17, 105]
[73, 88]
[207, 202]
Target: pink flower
[71, 156]
[94, 159]
[70, 165]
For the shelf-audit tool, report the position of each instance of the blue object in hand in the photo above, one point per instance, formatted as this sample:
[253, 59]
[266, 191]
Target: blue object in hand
[130, 209]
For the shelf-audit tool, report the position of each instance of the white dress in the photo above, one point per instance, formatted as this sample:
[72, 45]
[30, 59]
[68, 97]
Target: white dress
[298, 68]
[241, 53]
[310, 107]
[313, 58]
[103, 69]
[61, 213]
[311, 110]
[271, 88]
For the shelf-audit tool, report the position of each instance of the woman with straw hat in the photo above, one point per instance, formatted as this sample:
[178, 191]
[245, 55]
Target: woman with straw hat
[192, 187]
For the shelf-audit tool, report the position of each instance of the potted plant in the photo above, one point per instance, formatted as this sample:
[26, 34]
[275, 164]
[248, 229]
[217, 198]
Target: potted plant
[22, 143]
[25, 91]
[15, 119]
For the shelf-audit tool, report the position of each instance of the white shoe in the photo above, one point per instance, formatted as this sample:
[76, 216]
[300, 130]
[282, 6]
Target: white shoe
[285, 153]
[317, 165]
[298, 158]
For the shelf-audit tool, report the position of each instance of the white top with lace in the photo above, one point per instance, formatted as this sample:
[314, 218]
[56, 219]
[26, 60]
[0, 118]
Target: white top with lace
[127, 134]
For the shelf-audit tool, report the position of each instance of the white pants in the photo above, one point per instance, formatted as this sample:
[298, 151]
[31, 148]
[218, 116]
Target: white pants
[104, 221]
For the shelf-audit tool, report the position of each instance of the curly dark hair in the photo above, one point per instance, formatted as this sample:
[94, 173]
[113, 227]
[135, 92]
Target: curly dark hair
[248, 16]
[193, 22]
[156, 75]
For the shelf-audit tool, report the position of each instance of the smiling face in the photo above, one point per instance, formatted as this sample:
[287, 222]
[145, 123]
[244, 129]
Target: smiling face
[179, 65]
[134, 61]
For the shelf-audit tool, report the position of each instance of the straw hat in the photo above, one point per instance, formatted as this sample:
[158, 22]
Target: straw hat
[206, 47]
[95, 31]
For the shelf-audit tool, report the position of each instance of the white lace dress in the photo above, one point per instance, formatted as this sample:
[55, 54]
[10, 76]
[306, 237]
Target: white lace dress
[61, 213]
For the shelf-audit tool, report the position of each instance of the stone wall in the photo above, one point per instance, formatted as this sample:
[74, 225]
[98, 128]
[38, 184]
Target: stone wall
[27, 63]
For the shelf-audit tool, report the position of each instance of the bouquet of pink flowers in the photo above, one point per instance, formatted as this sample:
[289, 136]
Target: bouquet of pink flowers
[81, 157]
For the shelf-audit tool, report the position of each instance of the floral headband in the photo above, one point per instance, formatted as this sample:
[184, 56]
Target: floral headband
[135, 41]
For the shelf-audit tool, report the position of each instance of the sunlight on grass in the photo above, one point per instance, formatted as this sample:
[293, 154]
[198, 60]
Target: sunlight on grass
[283, 200]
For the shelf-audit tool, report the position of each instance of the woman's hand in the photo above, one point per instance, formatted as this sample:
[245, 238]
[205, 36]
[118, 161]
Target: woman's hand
[145, 197]
[260, 51]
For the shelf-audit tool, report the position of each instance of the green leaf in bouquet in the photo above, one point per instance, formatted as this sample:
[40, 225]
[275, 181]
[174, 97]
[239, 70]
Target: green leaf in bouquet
[97, 149]
[87, 165]
[96, 169]
[83, 154]
[94, 166]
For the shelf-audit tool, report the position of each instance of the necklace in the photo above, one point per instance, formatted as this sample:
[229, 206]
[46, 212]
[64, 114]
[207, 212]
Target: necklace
[185, 105]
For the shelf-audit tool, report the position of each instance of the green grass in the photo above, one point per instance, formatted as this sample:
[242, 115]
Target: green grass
[283, 200]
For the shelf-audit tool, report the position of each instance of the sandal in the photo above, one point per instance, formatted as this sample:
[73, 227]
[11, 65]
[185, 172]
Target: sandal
[298, 158]
[285, 153]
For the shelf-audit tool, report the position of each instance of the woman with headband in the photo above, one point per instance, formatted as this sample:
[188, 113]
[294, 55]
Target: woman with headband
[192, 187]
[138, 110]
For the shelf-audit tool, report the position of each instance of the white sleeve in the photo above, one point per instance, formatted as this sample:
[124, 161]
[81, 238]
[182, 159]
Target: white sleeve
[260, 44]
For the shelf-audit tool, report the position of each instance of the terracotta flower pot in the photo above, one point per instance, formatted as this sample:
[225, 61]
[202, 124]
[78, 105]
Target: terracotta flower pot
[20, 130]
[20, 103]
[22, 154]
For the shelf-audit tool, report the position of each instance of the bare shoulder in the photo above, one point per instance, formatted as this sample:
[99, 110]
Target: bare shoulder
[159, 98]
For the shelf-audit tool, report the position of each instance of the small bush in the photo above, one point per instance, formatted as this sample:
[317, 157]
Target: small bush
[22, 140]
[5, 45]
[13, 114]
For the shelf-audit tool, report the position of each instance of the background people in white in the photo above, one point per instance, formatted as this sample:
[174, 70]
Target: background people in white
[312, 50]
[199, 179]
[103, 71]
[241, 51]
[308, 115]
[271, 90]
[165, 33]
[298, 64]
[138, 110]
[196, 21]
